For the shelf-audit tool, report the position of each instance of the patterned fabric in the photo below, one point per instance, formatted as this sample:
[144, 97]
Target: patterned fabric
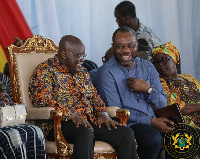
[6, 84]
[22, 142]
[185, 89]
[145, 32]
[170, 49]
[51, 85]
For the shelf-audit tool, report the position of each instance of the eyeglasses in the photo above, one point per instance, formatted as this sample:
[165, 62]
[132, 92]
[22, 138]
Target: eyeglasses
[130, 46]
[80, 56]
[104, 59]
[163, 60]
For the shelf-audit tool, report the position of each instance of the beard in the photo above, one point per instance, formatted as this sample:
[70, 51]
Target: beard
[124, 63]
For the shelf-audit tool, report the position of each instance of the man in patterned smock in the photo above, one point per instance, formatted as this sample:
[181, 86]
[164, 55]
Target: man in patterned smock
[62, 83]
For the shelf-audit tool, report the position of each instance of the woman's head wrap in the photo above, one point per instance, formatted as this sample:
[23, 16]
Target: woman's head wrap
[168, 48]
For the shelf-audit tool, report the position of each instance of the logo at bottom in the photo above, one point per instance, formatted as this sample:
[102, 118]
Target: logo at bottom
[182, 142]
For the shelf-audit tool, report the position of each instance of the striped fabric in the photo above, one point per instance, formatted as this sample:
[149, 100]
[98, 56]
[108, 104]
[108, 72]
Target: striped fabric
[5, 80]
[22, 142]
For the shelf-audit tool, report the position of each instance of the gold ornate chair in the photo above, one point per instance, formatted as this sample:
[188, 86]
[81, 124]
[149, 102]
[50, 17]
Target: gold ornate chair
[22, 62]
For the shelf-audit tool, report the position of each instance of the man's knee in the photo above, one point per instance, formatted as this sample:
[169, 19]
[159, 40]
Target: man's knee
[85, 132]
[147, 136]
[156, 141]
[128, 131]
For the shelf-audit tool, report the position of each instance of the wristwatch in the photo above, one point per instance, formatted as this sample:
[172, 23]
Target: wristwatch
[104, 113]
[150, 90]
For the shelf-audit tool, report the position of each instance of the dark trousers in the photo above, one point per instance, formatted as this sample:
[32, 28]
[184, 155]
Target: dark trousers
[121, 139]
[149, 141]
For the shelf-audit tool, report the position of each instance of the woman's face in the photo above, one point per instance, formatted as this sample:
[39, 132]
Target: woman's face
[165, 65]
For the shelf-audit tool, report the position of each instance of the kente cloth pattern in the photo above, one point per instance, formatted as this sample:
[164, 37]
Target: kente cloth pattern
[22, 142]
[168, 48]
[52, 85]
[144, 32]
[184, 89]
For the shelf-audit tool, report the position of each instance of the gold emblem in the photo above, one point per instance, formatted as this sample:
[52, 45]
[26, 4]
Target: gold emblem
[182, 142]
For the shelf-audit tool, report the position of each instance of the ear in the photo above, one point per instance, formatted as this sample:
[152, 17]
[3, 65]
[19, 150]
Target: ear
[64, 54]
[127, 18]
[112, 47]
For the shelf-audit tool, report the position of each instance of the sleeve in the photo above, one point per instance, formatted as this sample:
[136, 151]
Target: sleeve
[40, 90]
[99, 105]
[152, 38]
[155, 40]
[194, 80]
[107, 89]
[157, 96]
[96, 101]
[172, 97]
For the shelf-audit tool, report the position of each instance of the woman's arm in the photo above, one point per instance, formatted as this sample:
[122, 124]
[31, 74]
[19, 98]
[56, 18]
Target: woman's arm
[190, 108]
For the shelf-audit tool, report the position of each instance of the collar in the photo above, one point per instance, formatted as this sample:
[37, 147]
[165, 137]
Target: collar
[59, 65]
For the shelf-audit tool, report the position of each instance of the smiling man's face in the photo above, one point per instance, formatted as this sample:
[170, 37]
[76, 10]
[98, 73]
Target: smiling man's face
[125, 48]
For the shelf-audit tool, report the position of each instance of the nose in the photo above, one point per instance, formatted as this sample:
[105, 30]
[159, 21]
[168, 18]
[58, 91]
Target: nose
[126, 49]
[82, 59]
[160, 63]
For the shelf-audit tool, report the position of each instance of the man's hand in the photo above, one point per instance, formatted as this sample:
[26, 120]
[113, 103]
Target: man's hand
[161, 124]
[3, 98]
[18, 42]
[103, 119]
[138, 85]
[76, 119]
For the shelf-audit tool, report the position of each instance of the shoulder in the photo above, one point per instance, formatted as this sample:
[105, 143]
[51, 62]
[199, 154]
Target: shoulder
[187, 77]
[144, 63]
[44, 67]
[93, 71]
[145, 28]
[190, 78]
[109, 65]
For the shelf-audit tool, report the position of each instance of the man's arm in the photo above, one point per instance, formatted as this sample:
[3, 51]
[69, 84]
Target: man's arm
[107, 89]
[157, 96]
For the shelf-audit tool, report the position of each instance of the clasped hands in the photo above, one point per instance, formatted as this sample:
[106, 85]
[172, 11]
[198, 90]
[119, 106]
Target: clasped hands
[102, 119]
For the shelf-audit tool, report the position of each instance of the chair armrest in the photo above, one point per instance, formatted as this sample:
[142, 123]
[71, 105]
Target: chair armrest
[35, 113]
[63, 148]
[112, 111]
[122, 114]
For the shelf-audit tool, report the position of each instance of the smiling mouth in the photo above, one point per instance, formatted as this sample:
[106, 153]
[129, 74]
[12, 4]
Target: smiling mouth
[79, 65]
[126, 57]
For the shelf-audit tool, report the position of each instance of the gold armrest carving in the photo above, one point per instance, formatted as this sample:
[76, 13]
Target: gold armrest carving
[62, 146]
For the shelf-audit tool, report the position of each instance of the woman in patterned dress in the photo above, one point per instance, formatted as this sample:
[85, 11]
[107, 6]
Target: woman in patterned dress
[183, 89]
